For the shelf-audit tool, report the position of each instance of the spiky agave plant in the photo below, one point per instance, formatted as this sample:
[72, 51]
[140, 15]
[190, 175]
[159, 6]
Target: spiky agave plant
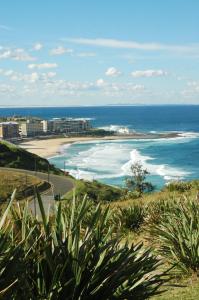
[157, 210]
[178, 234]
[132, 217]
[12, 265]
[65, 259]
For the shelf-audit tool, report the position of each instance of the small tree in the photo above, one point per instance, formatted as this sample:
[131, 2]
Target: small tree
[137, 181]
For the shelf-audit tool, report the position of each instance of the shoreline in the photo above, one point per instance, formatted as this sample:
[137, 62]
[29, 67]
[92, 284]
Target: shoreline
[50, 147]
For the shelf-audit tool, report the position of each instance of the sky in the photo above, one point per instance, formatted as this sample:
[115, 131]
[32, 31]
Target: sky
[99, 52]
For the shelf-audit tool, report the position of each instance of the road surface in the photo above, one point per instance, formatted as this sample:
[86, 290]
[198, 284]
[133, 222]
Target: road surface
[60, 185]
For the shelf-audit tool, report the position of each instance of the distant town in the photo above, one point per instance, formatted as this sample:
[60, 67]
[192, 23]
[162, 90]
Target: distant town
[17, 127]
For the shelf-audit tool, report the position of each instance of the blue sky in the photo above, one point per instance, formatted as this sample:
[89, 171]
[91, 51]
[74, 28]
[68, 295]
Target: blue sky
[89, 52]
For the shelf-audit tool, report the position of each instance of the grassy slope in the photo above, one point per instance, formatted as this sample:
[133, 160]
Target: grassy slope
[95, 190]
[189, 289]
[23, 183]
[12, 156]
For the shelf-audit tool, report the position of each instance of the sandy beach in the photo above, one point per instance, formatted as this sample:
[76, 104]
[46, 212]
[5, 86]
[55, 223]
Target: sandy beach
[50, 147]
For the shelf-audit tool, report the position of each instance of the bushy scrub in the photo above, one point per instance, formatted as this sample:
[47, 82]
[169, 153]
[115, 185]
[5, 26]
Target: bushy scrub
[157, 210]
[179, 186]
[95, 191]
[62, 257]
[178, 235]
[131, 218]
[131, 195]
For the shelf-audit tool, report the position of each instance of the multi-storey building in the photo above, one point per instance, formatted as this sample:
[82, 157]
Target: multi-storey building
[32, 127]
[9, 130]
[69, 125]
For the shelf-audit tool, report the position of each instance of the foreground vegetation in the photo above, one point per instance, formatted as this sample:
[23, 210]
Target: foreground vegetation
[146, 249]
[72, 255]
[168, 221]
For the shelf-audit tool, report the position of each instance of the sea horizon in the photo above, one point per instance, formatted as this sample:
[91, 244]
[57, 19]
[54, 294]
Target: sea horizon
[97, 105]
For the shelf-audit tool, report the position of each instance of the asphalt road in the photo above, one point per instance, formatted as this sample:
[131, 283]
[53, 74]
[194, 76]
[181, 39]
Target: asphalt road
[60, 185]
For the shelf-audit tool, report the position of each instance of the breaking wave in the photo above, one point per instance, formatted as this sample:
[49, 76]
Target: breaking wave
[163, 170]
[112, 160]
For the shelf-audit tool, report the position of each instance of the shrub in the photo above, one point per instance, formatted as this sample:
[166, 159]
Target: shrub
[62, 258]
[156, 211]
[132, 217]
[179, 186]
[95, 191]
[137, 180]
[133, 195]
[178, 234]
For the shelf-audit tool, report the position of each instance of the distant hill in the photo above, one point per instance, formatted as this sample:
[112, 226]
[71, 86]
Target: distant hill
[12, 156]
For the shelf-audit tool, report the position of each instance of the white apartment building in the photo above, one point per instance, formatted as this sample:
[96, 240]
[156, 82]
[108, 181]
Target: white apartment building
[31, 128]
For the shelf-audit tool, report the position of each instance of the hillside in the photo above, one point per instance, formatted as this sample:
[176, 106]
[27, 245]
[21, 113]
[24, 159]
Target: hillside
[95, 191]
[12, 156]
[146, 220]
[23, 183]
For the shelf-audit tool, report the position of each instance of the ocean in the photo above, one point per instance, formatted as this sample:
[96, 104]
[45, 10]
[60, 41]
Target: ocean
[110, 161]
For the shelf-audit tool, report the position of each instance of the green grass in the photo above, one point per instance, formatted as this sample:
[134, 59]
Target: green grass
[188, 291]
[12, 156]
[96, 191]
[158, 204]
[24, 183]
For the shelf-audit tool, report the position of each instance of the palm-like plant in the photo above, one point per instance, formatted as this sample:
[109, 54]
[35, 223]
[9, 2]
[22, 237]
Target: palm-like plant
[178, 234]
[132, 217]
[62, 258]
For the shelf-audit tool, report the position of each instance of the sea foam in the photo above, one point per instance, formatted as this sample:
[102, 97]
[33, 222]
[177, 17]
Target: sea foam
[163, 170]
[112, 160]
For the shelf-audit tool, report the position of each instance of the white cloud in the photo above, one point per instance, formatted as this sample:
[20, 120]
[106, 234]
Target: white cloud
[121, 44]
[100, 83]
[60, 51]
[112, 72]
[149, 73]
[47, 85]
[16, 54]
[49, 75]
[32, 77]
[8, 73]
[86, 54]
[27, 77]
[193, 84]
[43, 66]
[6, 89]
[37, 46]
[126, 87]
[191, 89]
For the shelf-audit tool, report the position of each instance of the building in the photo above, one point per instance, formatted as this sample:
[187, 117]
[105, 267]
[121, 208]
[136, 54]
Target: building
[69, 125]
[31, 127]
[45, 125]
[9, 130]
